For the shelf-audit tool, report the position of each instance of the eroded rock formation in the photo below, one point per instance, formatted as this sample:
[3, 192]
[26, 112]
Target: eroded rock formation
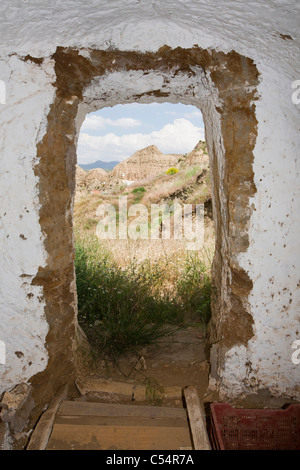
[150, 161]
[90, 180]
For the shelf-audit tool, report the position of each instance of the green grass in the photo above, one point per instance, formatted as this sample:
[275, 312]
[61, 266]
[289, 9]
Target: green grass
[195, 289]
[192, 171]
[122, 310]
[139, 194]
[138, 190]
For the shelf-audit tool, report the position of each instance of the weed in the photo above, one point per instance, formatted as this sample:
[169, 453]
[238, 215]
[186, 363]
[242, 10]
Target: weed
[154, 392]
[139, 194]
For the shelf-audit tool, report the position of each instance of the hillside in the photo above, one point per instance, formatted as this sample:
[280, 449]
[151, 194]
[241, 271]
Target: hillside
[147, 162]
[190, 184]
[150, 161]
[143, 164]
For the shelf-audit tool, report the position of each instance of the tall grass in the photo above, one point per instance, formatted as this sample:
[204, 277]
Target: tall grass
[122, 309]
[194, 288]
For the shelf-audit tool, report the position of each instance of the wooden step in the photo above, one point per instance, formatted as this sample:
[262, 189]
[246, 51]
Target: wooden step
[98, 426]
[78, 408]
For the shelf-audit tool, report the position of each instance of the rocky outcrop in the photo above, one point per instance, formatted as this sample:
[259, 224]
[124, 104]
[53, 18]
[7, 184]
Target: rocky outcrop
[90, 180]
[150, 161]
[80, 178]
[197, 156]
[147, 162]
[95, 178]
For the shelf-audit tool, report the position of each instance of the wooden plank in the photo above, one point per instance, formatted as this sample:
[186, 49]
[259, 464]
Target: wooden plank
[122, 421]
[77, 408]
[41, 434]
[68, 437]
[121, 391]
[197, 419]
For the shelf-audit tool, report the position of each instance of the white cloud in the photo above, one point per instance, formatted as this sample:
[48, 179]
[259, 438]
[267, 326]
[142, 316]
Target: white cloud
[95, 122]
[179, 137]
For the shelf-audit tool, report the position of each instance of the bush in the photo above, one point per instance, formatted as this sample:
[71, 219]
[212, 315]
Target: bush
[139, 194]
[172, 171]
[138, 190]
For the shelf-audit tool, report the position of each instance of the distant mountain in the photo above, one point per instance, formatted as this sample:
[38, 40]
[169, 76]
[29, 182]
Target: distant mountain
[99, 164]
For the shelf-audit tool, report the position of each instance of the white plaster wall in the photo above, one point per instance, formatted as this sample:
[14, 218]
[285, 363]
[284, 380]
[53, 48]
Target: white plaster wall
[22, 124]
[253, 28]
[273, 258]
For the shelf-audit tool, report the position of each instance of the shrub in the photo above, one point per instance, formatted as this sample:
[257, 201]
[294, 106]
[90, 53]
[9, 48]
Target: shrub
[172, 171]
[138, 190]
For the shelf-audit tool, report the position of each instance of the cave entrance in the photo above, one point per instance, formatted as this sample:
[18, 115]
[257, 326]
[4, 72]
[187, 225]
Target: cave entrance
[223, 87]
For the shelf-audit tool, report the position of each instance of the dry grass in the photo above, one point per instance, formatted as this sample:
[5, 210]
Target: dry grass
[133, 292]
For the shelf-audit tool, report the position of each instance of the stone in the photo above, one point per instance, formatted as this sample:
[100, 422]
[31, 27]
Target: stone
[149, 161]
[5, 437]
[18, 404]
[141, 364]
[106, 390]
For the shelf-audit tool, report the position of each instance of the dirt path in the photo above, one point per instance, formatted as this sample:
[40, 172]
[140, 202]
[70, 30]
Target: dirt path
[177, 361]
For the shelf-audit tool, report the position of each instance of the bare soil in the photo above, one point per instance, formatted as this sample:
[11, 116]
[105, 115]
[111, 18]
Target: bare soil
[177, 361]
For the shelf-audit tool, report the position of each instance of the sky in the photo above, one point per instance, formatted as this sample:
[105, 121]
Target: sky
[116, 133]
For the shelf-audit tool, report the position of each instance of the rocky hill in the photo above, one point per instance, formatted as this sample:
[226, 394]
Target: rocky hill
[90, 180]
[151, 161]
[190, 185]
[147, 162]
[197, 156]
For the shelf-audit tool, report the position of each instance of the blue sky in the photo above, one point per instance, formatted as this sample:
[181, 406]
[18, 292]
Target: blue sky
[116, 133]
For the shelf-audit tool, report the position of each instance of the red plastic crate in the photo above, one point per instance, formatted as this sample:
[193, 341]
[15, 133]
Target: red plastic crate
[254, 429]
